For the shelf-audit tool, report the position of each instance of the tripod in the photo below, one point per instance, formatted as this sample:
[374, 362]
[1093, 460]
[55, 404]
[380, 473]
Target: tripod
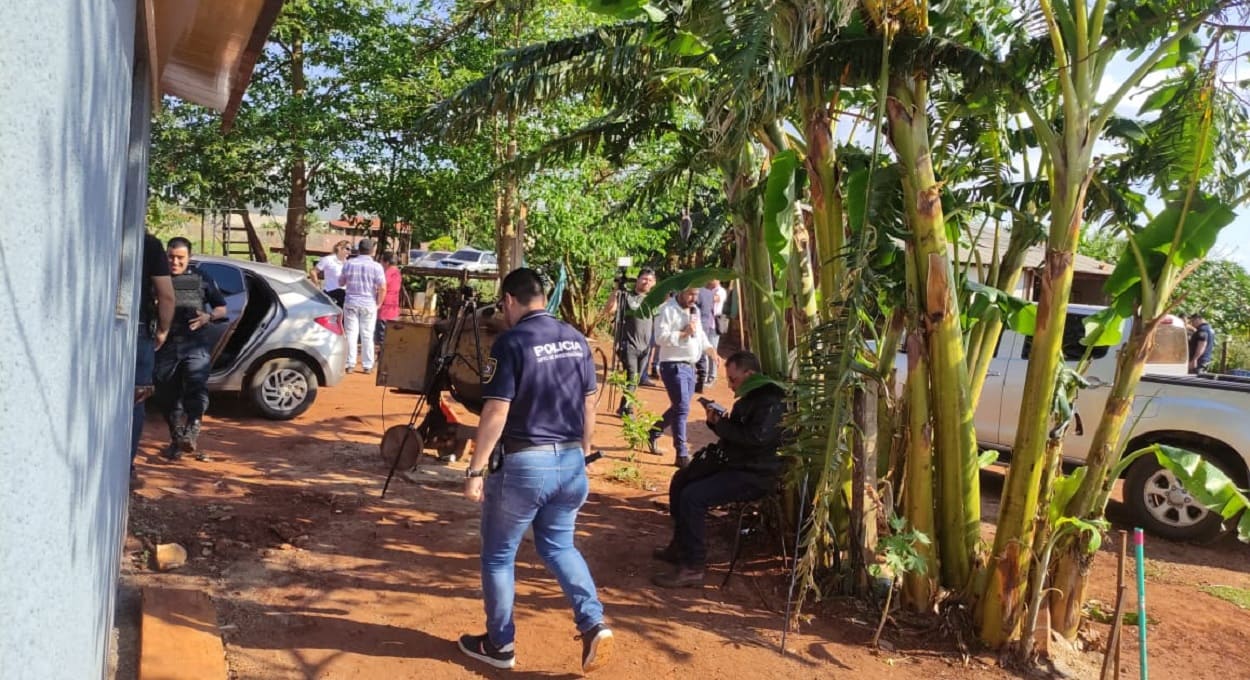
[438, 379]
[618, 333]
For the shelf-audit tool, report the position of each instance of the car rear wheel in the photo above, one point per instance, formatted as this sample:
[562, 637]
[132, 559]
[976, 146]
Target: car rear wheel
[283, 388]
[1164, 508]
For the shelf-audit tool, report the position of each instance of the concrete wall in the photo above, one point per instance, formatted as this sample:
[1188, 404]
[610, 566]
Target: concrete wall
[67, 297]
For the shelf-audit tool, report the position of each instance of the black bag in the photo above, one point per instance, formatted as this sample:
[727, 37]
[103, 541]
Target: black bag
[706, 462]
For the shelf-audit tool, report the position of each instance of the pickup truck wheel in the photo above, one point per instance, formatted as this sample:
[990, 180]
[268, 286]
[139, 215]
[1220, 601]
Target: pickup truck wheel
[1164, 508]
[283, 388]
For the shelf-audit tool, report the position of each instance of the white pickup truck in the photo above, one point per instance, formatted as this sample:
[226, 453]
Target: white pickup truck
[1207, 415]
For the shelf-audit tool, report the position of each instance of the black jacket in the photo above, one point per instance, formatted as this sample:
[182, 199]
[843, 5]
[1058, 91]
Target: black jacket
[751, 435]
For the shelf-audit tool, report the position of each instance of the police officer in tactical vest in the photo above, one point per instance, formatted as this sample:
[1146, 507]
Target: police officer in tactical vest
[183, 362]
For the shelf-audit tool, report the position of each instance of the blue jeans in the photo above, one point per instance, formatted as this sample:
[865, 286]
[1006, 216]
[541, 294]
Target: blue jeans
[546, 489]
[182, 368]
[678, 379]
[145, 363]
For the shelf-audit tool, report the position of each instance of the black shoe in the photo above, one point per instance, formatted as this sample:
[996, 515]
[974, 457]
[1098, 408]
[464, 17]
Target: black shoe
[596, 647]
[480, 648]
[684, 577]
[624, 411]
[653, 443]
[682, 461]
[367, 371]
[173, 451]
[667, 554]
[646, 382]
[190, 437]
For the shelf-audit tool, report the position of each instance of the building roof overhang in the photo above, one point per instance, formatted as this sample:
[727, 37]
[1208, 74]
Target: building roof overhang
[204, 51]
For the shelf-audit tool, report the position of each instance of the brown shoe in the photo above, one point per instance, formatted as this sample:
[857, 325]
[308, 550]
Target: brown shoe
[684, 577]
[667, 554]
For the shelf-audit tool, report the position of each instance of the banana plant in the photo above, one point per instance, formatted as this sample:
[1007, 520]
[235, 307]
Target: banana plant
[1082, 38]
[1183, 141]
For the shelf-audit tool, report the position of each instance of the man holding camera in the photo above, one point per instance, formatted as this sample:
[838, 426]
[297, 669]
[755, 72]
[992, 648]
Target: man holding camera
[741, 466]
[633, 334]
[682, 343]
[539, 387]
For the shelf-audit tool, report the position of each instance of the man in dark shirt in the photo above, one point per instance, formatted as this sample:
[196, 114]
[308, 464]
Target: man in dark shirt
[183, 363]
[634, 340]
[742, 466]
[156, 313]
[539, 387]
[1201, 344]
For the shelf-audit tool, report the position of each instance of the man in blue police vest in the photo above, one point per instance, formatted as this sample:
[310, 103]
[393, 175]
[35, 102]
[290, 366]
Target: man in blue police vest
[183, 362]
[539, 387]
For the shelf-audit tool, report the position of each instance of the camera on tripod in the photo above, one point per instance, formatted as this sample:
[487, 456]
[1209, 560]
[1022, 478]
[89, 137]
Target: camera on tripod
[622, 268]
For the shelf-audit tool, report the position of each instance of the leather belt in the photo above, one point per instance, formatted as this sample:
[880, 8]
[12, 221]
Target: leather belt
[517, 446]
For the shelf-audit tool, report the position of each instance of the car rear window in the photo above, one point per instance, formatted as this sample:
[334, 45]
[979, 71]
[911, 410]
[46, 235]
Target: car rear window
[465, 256]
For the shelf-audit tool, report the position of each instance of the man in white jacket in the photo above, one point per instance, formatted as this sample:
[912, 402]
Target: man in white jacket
[683, 343]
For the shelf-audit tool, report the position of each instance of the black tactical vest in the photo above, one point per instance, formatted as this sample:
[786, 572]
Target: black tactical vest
[188, 300]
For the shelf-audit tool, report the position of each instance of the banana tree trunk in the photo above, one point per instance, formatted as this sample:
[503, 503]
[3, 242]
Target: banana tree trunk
[765, 325]
[986, 333]
[827, 214]
[954, 440]
[1071, 570]
[1002, 604]
[918, 501]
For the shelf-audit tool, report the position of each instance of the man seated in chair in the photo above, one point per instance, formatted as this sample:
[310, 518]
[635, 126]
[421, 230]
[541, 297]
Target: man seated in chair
[741, 466]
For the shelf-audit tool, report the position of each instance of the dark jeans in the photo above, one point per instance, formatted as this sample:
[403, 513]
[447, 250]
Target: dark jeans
[182, 368]
[635, 363]
[689, 500]
[678, 381]
[145, 362]
[379, 333]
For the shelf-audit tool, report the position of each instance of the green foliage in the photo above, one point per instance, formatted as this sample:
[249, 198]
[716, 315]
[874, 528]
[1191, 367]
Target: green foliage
[636, 426]
[1020, 315]
[897, 552]
[165, 220]
[1239, 597]
[444, 243]
[1219, 289]
[779, 196]
[693, 278]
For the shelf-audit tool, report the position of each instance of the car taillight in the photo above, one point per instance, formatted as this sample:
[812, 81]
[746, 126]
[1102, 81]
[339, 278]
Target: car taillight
[332, 323]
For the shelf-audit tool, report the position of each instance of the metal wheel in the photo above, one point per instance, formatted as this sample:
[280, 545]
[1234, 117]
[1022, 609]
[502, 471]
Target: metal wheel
[283, 388]
[411, 441]
[1169, 503]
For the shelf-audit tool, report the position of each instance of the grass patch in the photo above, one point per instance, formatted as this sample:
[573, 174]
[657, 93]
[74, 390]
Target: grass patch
[627, 474]
[1237, 596]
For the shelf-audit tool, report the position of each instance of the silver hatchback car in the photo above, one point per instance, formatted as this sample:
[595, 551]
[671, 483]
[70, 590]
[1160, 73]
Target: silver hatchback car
[282, 338]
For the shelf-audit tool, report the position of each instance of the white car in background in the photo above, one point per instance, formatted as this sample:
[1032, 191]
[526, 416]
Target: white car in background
[430, 259]
[472, 259]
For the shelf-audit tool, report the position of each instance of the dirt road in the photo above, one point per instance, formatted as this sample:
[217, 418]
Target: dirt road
[315, 576]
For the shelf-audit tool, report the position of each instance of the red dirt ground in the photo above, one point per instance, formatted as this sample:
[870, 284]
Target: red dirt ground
[315, 576]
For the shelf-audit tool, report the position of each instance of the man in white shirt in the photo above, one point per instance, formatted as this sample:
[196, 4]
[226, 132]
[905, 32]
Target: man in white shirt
[329, 268]
[711, 304]
[682, 343]
[365, 284]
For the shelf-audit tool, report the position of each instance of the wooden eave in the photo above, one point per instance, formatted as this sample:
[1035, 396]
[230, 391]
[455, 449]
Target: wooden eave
[204, 51]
